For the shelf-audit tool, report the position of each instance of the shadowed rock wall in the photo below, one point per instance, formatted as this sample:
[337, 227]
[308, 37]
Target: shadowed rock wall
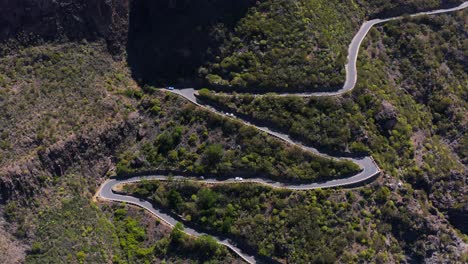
[33, 21]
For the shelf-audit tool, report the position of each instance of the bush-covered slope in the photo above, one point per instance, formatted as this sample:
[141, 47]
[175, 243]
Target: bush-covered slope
[429, 63]
[295, 45]
[332, 124]
[272, 46]
[70, 228]
[287, 45]
[48, 92]
[182, 138]
[72, 116]
[66, 110]
[408, 109]
[373, 224]
[392, 8]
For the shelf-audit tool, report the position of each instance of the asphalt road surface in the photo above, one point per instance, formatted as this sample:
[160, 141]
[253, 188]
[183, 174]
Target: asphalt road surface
[367, 164]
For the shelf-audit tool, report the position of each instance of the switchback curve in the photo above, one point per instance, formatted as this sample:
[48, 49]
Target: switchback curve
[369, 168]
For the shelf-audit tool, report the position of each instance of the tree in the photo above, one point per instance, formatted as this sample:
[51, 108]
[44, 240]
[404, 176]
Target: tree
[382, 194]
[213, 154]
[177, 235]
[80, 256]
[174, 199]
[206, 198]
[165, 142]
[207, 246]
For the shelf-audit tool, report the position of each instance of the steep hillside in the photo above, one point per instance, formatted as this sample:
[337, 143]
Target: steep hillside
[372, 224]
[385, 8]
[59, 104]
[408, 110]
[73, 117]
[78, 104]
[169, 40]
[428, 63]
[267, 45]
[299, 45]
[26, 22]
[183, 138]
[67, 112]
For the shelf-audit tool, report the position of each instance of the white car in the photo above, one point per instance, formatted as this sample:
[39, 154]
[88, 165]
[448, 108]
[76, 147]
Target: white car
[238, 179]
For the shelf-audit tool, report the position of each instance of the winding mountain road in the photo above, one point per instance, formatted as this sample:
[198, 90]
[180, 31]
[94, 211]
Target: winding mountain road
[367, 164]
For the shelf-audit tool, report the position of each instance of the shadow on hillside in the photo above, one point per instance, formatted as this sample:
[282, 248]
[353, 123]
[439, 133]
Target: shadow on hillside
[168, 40]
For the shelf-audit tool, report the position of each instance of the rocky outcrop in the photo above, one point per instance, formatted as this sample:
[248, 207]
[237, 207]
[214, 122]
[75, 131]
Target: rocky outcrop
[92, 153]
[387, 116]
[11, 249]
[33, 21]
[451, 201]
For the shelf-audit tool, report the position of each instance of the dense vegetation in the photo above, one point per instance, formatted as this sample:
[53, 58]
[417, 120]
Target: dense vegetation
[54, 116]
[408, 115]
[247, 45]
[52, 97]
[429, 60]
[385, 8]
[373, 224]
[433, 71]
[60, 102]
[76, 230]
[286, 45]
[295, 45]
[332, 123]
[199, 142]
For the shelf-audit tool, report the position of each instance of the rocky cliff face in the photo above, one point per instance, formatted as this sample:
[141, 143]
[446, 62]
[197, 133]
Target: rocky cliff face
[32, 21]
[90, 152]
